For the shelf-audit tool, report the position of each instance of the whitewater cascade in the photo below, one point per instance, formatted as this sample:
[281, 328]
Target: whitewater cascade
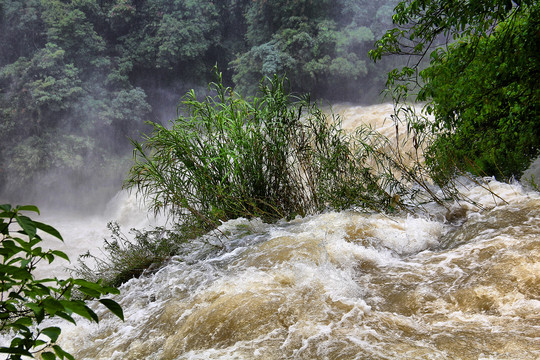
[459, 284]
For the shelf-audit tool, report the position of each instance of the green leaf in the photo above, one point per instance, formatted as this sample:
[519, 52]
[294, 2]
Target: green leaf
[90, 292]
[52, 306]
[19, 327]
[61, 353]
[48, 229]
[39, 342]
[40, 289]
[34, 307]
[65, 316]
[28, 208]
[60, 254]
[16, 272]
[48, 356]
[25, 321]
[40, 315]
[79, 308]
[9, 249]
[28, 226]
[52, 332]
[92, 314]
[88, 284]
[17, 351]
[110, 290]
[114, 307]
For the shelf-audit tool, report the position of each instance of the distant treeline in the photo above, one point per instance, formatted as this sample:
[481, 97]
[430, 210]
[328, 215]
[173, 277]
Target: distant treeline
[78, 78]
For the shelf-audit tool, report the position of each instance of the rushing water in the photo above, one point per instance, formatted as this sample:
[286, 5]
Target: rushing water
[341, 286]
[460, 284]
[82, 233]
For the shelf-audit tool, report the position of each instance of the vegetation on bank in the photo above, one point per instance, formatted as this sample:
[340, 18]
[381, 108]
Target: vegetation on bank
[273, 155]
[25, 301]
[481, 84]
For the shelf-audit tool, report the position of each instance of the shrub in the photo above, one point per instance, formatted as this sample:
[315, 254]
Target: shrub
[480, 84]
[274, 156]
[127, 258]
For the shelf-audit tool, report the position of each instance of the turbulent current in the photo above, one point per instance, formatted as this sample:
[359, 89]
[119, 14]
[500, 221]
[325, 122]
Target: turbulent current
[458, 284]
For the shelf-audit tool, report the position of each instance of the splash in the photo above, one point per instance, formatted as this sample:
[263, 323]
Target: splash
[82, 233]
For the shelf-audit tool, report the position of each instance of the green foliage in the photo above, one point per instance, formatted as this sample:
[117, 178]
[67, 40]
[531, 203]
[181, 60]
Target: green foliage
[86, 68]
[272, 157]
[125, 259]
[487, 115]
[40, 86]
[59, 100]
[69, 28]
[166, 35]
[266, 59]
[481, 88]
[320, 45]
[20, 26]
[25, 301]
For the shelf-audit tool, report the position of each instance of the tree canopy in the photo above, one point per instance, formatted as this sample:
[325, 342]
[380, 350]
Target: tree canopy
[480, 84]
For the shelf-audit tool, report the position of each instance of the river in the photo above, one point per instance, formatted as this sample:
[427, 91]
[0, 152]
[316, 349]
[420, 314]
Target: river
[459, 284]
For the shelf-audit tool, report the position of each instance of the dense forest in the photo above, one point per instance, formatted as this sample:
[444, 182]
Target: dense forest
[79, 78]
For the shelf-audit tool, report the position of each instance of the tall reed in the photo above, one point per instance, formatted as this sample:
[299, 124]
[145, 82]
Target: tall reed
[274, 156]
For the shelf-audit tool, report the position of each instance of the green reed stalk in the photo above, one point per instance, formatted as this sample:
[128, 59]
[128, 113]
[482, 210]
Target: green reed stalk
[275, 156]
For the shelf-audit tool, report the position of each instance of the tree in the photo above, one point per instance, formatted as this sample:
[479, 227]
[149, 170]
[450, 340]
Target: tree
[60, 91]
[66, 67]
[480, 85]
[39, 87]
[69, 28]
[169, 35]
[25, 302]
[320, 45]
[21, 29]
[37, 93]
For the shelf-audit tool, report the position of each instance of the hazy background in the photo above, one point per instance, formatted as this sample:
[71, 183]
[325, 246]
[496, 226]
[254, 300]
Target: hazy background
[79, 79]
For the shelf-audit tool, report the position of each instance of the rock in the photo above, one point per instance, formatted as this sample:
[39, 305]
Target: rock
[531, 176]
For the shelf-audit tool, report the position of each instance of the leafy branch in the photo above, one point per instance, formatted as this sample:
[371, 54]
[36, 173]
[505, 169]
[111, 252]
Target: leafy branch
[25, 302]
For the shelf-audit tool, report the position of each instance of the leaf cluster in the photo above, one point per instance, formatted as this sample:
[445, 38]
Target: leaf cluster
[480, 85]
[25, 302]
[485, 98]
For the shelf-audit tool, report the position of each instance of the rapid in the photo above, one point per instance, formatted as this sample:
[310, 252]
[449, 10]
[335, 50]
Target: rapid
[462, 283]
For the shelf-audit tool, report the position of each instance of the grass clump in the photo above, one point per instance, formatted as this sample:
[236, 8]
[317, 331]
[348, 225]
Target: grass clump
[127, 258]
[274, 156]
